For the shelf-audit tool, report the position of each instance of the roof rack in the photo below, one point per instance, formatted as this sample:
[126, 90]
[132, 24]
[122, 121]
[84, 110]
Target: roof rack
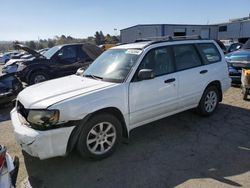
[155, 40]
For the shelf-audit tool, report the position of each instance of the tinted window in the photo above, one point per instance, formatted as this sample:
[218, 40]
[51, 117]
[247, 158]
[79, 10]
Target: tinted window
[186, 57]
[210, 52]
[67, 52]
[159, 60]
[81, 53]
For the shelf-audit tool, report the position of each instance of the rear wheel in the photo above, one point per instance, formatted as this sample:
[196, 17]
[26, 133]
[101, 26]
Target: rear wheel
[209, 101]
[38, 77]
[99, 137]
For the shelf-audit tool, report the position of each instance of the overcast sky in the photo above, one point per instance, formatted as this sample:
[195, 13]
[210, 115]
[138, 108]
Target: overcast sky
[33, 19]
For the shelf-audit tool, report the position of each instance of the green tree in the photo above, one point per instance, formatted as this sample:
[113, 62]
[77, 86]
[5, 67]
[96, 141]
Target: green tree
[51, 43]
[31, 45]
[97, 38]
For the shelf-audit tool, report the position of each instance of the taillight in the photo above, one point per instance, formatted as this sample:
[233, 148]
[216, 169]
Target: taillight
[2, 156]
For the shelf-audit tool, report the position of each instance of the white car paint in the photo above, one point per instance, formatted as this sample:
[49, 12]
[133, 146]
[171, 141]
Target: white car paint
[139, 102]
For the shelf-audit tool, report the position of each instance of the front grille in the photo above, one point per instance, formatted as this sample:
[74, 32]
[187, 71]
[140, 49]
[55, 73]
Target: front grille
[20, 109]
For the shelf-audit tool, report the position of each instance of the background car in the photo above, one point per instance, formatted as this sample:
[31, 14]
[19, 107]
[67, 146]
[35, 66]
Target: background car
[234, 47]
[58, 61]
[10, 86]
[4, 58]
[238, 60]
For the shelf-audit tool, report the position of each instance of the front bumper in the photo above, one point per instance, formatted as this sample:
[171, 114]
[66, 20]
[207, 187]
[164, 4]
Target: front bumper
[235, 74]
[41, 144]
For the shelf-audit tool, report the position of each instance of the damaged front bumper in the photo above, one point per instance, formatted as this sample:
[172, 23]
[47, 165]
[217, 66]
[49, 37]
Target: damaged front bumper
[42, 144]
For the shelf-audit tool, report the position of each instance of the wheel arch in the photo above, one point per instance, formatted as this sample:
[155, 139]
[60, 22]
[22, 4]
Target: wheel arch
[217, 84]
[37, 69]
[110, 110]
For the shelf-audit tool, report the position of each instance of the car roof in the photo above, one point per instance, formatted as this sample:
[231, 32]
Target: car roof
[142, 45]
[137, 45]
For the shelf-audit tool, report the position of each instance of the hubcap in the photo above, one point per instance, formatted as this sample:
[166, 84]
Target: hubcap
[39, 78]
[211, 101]
[101, 138]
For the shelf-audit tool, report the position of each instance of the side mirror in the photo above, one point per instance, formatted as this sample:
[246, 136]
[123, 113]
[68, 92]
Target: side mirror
[80, 72]
[60, 55]
[146, 74]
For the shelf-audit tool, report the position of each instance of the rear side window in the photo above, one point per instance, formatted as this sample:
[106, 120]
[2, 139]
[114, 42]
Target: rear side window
[210, 52]
[186, 56]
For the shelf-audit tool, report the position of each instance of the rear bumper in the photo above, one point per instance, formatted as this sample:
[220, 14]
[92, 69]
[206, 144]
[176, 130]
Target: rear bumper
[41, 144]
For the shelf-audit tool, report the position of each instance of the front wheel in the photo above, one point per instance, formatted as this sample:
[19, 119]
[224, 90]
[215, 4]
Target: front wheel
[38, 77]
[99, 137]
[209, 101]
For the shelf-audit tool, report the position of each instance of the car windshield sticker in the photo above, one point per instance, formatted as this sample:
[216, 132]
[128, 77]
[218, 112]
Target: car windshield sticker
[134, 52]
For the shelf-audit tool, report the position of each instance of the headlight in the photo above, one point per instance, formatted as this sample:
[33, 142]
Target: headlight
[20, 67]
[43, 118]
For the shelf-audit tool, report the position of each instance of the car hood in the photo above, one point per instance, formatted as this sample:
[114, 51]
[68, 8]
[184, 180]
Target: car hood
[239, 56]
[43, 95]
[27, 49]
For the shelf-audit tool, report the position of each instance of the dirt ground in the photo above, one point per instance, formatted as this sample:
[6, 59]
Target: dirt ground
[183, 150]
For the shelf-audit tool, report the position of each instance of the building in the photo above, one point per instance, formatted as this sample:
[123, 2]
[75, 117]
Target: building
[158, 30]
[235, 29]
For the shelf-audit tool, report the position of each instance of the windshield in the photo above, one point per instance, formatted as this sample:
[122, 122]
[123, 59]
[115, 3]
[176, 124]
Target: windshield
[48, 54]
[113, 65]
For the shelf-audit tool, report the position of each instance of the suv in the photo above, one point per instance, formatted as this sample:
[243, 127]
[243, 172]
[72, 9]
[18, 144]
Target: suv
[124, 88]
[58, 61]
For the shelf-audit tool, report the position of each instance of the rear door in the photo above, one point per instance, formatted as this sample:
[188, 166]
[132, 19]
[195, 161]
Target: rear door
[192, 75]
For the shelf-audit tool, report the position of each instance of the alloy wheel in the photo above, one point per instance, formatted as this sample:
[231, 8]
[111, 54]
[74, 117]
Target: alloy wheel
[211, 101]
[101, 138]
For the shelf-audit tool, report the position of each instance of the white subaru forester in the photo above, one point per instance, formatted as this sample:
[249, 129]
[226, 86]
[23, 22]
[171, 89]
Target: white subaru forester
[126, 87]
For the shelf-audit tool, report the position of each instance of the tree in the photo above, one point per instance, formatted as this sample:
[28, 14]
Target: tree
[31, 45]
[51, 43]
[108, 39]
[97, 38]
[102, 38]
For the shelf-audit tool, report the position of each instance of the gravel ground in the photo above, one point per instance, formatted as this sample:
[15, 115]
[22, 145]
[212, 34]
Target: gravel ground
[183, 150]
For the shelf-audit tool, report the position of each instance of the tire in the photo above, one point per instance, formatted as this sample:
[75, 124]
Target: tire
[37, 77]
[209, 101]
[97, 141]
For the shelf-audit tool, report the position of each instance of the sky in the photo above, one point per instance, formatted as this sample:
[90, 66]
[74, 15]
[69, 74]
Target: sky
[33, 19]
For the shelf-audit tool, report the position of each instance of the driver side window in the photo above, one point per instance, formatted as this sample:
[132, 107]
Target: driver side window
[67, 53]
[159, 60]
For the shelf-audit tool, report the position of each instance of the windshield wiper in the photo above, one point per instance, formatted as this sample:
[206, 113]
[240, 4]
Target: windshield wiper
[93, 76]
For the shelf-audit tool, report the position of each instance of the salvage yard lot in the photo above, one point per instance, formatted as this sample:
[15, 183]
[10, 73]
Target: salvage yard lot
[183, 150]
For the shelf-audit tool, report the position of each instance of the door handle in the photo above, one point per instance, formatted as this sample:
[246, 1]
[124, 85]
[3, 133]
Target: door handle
[203, 71]
[169, 80]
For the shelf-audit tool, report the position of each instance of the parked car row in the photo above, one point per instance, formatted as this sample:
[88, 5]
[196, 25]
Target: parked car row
[4, 58]
[237, 61]
[126, 87]
[56, 62]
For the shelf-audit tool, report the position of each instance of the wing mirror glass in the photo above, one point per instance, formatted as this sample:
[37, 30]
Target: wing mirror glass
[146, 74]
[80, 72]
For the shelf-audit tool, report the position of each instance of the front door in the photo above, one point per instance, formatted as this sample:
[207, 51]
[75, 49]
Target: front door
[155, 98]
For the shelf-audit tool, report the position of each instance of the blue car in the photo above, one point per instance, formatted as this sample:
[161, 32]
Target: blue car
[237, 61]
[4, 58]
